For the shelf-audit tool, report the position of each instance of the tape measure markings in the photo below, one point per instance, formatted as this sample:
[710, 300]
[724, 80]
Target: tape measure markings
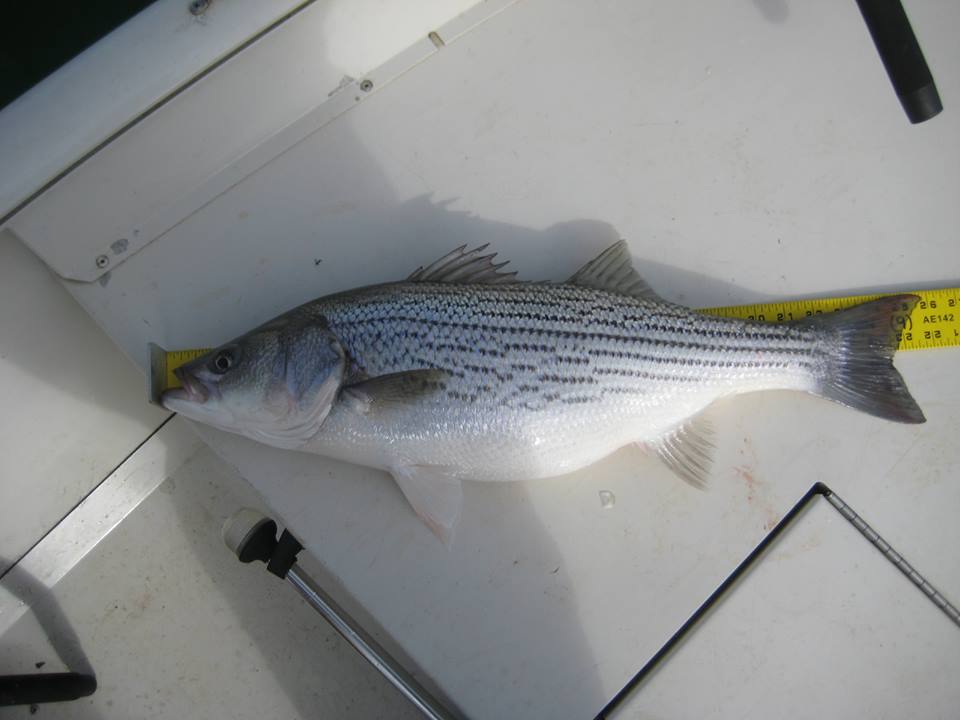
[934, 322]
[176, 358]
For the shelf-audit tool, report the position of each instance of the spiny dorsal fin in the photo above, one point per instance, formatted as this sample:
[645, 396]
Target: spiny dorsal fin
[464, 267]
[688, 450]
[393, 390]
[612, 270]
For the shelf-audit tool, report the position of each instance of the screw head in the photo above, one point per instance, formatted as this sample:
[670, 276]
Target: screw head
[198, 7]
[366, 85]
[102, 261]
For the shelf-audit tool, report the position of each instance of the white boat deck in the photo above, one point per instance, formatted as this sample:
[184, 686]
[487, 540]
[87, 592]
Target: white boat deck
[746, 152]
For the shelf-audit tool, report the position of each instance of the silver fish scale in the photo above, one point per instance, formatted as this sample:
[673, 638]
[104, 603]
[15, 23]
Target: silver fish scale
[528, 345]
[542, 379]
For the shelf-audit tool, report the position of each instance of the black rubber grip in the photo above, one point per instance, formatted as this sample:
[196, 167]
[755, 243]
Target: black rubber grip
[44, 688]
[284, 554]
[902, 57]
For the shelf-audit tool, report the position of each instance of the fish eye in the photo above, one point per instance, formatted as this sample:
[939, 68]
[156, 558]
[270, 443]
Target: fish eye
[222, 362]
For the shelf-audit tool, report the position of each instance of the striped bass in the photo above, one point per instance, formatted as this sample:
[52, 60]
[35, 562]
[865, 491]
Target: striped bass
[461, 372]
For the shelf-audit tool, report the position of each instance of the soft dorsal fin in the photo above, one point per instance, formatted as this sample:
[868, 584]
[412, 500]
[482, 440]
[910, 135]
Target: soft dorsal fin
[688, 450]
[464, 267]
[612, 270]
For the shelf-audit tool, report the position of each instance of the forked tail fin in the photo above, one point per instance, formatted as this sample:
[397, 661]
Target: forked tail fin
[859, 371]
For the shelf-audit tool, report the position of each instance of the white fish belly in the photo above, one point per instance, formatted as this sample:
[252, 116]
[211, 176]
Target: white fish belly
[471, 443]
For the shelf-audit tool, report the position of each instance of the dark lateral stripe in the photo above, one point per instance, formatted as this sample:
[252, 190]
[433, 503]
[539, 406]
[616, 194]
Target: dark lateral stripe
[571, 310]
[799, 357]
[653, 320]
[597, 336]
[673, 367]
[551, 298]
[572, 298]
[574, 301]
[567, 379]
[580, 399]
[680, 364]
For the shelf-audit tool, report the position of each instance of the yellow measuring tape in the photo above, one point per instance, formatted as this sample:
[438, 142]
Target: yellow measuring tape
[934, 322]
[162, 364]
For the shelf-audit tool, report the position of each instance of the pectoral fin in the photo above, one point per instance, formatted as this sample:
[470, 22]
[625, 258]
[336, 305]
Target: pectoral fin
[394, 390]
[434, 494]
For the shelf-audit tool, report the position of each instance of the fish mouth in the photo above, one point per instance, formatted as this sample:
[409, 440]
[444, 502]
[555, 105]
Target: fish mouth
[193, 391]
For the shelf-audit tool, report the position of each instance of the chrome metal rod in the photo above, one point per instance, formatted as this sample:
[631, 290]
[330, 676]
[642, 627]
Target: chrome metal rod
[367, 646]
[894, 557]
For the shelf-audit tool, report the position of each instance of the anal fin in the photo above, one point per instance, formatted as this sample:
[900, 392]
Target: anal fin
[688, 450]
[435, 495]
